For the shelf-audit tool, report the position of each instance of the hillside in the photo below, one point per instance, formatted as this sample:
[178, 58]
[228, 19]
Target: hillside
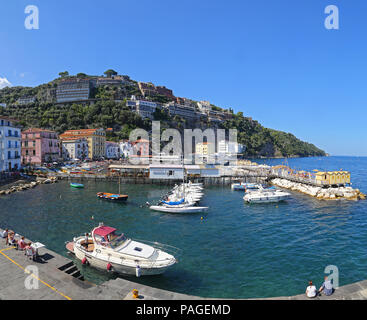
[105, 112]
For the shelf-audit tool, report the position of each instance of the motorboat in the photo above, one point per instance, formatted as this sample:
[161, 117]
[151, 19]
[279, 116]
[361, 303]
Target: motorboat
[264, 196]
[105, 249]
[112, 196]
[76, 185]
[245, 186]
[178, 209]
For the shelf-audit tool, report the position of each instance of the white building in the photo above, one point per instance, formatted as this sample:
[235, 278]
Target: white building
[185, 111]
[10, 145]
[144, 108]
[229, 147]
[26, 100]
[204, 106]
[75, 149]
[166, 171]
[112, 150]
[126, 148]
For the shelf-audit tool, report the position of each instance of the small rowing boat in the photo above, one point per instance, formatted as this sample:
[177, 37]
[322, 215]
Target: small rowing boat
[112, 196]
[76, 185]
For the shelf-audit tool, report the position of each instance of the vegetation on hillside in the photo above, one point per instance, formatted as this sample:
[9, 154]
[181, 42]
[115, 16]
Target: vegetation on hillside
[107, 113]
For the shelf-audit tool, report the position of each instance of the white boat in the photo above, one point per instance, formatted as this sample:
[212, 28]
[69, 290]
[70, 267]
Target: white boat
[178, 209]
[264, 196]
[109, 251]
[245, 186]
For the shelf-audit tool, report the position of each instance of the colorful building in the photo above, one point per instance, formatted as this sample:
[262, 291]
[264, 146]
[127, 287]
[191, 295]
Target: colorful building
[96, 141]
[40, 146]
[10, 144]
[332, 177]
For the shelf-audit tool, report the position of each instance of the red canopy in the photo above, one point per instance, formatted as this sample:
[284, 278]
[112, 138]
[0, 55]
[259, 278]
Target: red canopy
[104, 231]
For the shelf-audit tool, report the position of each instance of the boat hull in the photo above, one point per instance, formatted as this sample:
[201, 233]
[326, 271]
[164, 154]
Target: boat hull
[178, 210]
[102, 265]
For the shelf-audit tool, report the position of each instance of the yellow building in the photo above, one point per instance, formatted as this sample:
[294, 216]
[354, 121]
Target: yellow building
[332, 177]
[96, 140]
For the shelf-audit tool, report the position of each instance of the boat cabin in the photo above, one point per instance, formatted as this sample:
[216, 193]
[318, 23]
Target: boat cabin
[106, 236]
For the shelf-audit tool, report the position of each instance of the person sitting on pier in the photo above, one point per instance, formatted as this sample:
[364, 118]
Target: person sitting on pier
[327, 287]
[4, 234]
[311, 291]
[21, 245]
[10, 240]
[30, 252]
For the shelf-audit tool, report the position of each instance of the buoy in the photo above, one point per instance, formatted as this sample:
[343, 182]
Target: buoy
[135, 294]
[137, 271]
[202, 218]
[109, 267]
[84, 260]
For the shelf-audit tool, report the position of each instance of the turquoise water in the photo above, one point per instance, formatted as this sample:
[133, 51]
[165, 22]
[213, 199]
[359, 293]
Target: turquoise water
[236, 251]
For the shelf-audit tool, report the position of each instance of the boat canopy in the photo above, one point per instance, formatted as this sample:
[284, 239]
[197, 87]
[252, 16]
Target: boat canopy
[104, 231]
[174, 203]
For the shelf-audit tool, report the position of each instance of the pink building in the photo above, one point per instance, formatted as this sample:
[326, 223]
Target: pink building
[40, 146]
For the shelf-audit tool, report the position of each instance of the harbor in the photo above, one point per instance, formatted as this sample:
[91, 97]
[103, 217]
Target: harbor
[301, 227]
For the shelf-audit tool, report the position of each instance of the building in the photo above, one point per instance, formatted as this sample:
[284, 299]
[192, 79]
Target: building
[112, 150]
[204, 106]
[113, 81]
[230, 147]
[10, 144]
[26, 100]
[144, 108]
[166, 171]
[165, 92]
[3, 105]
[96, 139]
[126, 148]
[73, 90]
[147, 89]
[40, 146]
[187, 112]
[140, 148]
[332, 177]
[74, 148]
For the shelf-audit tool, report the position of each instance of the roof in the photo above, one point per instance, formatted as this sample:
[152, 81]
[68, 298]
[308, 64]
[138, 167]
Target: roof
[104, 231]
[34, 130]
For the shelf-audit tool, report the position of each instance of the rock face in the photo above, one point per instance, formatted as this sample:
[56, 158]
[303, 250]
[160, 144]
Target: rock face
[321, 193]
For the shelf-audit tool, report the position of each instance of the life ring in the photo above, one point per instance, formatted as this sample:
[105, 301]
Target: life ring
[109, 266]
[85, 261]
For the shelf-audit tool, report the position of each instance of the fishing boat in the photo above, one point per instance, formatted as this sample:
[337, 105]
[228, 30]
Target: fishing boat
[105, 249]
[113, 196]
[76, 185]
[265, 196]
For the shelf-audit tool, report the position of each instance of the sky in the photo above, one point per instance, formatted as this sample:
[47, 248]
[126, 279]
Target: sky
[272, 60]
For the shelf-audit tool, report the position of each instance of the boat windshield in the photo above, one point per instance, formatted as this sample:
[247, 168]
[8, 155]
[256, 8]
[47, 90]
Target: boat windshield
[116, 240]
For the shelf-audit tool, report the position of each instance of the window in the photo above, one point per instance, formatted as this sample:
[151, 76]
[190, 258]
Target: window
[9, 144]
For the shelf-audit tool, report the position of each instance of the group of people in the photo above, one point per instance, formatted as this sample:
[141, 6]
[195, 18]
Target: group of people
[20, 244]
[327, 288]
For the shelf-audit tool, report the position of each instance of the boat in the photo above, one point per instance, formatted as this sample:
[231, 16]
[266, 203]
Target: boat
[112, 196]
[265, 196]
[107, 250]
[76, 185]
[245, 186]
[178, 209]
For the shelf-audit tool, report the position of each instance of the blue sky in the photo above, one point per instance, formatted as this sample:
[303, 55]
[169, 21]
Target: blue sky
[273, 60]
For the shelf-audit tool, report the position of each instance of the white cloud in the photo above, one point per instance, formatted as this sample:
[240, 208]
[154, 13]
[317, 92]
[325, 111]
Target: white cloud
[4, 83]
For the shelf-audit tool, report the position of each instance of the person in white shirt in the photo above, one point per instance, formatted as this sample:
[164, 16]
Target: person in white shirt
[311, 291]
